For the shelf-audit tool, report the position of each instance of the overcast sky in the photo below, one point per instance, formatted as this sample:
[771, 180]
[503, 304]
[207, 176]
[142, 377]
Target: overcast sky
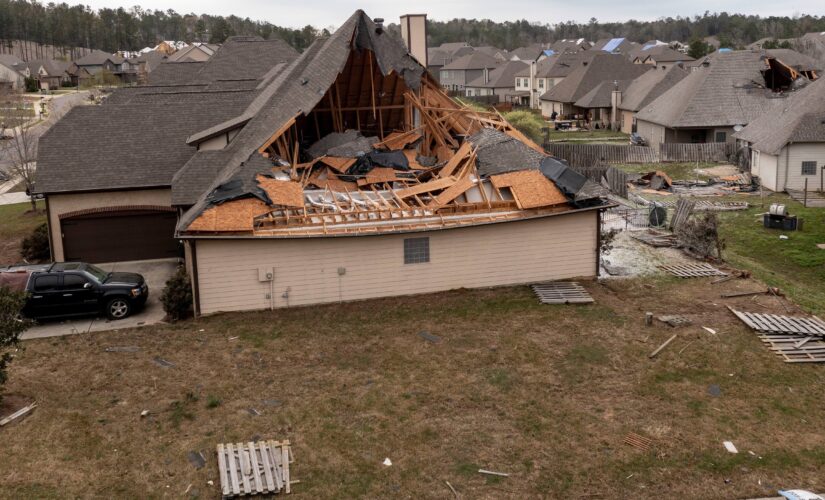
[324, 13]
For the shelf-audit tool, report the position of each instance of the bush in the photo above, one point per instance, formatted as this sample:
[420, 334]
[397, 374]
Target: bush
[529, 124]
[31, 84]
[35, 246]
[177, 296]
[11, 326]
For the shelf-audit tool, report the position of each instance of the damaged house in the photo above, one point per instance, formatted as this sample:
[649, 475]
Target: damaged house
[723, 93]
[346, 173]
[787, 146]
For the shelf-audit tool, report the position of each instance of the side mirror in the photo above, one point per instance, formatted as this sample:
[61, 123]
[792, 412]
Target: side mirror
[87, 285]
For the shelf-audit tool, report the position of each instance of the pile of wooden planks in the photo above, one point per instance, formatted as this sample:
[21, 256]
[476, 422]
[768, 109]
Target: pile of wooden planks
[656, 238]
[562, 292]
[254, 468]
[796, 339]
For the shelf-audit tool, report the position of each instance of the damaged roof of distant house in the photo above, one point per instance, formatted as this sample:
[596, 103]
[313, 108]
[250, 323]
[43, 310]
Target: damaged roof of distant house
[801, 119]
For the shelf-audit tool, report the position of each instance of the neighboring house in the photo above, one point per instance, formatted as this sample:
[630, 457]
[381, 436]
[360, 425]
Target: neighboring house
[574, 45]
[457, 74]
[498, 81]
[600, 105]
[616, 46]
[644, 90]
[548, 73]
[661, 56]
[49, 73]
[97, 61]
[214, 160]
[723, 93]
[528, 54]
[113, 201]
[438, 57]
[812, 45]
[148, 62]
[11, 76]
[494, 52]
[195, 52]
[588, 75]
[787, 145]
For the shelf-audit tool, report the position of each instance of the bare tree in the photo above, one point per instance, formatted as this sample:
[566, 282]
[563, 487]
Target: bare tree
[20, 136]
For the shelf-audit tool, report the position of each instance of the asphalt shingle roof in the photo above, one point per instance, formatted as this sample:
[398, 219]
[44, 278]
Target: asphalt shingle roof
[727, 91]
[587, 76]
[801, 118]
[504, 76]
[476, 60]
[601, 95]
[644, 89]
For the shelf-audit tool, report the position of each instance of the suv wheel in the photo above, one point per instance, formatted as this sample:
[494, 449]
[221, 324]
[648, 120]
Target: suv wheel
[118, 308]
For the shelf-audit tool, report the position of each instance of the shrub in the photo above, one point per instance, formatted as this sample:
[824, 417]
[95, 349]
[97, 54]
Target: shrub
[213, 402]
[529, 124]
[35, 246]
[31, 84]
[11, 326]
[177, 296]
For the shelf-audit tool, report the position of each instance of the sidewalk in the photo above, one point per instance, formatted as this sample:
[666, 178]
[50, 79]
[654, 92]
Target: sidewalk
[13, 198]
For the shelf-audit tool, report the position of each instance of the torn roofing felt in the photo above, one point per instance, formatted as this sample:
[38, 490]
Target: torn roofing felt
[299, 88]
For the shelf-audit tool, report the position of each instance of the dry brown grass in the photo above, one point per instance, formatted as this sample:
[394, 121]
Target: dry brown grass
[545, 393]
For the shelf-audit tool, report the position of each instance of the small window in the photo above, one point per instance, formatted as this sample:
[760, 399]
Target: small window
[541, 84]
[721, 136]
[45, 283]
[416, 250]
[808, 168]
[73, 281]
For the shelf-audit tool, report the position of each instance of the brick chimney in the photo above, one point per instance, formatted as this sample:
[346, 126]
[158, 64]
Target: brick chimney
[414, 34]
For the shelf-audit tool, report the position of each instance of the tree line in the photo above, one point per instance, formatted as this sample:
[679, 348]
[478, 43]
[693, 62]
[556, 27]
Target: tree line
[63, 25]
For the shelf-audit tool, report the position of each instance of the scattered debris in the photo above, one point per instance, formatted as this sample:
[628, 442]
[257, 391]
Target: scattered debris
[429, 337]
[387, 462]
[638, 441]
[130, 348]
[709, 330]
[684, 207]
[735, 274]
[692, 270]
[783, 237]
[675, 321]
[253, 412]
[197, 459]
[659, 349]
[648, 319]
[455, 493]
[656, 238]
[254, 468]
[820, 246]
[770, 290]
[795, 339]
[162, 362]
[774, 323]
[271, 402]
[233, 338]
[493, 473]
[18, 414]
[730, 447]
[562, 292]
[800, 495]
[714, 390]
[144, 413]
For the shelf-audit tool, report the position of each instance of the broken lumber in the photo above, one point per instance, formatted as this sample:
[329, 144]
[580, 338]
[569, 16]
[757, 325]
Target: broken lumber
[661, 347]
[18, 414]
[493, 473]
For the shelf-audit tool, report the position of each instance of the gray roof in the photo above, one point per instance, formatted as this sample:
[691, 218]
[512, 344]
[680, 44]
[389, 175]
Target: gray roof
[662, 54]
[644, 89]
[590, 74]
[560, 65]
[296, 89]
[138, 144]
[152, 59]
[497, 153]
[10, 60]
[794, 59]
[97, 58]
[529, 53]
[601, 95]
[504, 76]
[476, 60]
[727, 91]
[175, 73]
[801, 118]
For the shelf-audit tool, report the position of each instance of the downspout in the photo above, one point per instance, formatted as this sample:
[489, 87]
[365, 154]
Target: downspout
[787, 162]
[598, 241]
[49, 232]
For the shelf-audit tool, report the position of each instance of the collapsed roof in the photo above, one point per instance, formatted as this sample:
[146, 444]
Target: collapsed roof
[354, 137]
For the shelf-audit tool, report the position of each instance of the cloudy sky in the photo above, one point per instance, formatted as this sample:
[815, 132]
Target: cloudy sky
[324, 13]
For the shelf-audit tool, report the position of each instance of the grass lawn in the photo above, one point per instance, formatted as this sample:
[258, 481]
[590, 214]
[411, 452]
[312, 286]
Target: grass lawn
[795, 265]
[544, 393]
[17, 223]
[676, 171]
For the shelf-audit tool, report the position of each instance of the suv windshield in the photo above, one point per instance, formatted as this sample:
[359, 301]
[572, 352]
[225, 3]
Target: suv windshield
[99, 274]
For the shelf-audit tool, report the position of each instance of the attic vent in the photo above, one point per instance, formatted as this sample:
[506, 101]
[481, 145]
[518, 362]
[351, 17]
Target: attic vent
[379, 25]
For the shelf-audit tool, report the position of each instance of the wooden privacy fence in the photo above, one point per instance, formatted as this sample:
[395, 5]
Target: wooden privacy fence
[708, 151]
[588, 155]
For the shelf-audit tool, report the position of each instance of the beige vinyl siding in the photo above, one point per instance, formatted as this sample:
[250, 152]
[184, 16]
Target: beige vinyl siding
[795, 155]
[653, 133]
[308, 269]
[72, 202]
[627, 121]
[765, 167]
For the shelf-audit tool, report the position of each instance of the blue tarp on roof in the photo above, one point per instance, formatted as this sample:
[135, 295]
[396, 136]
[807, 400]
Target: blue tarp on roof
[549, 52]
[649, 46]
[723, 50]
[612, 44]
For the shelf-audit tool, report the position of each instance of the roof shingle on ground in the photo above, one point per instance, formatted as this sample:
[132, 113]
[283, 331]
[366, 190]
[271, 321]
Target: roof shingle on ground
[801, 118]
[591, 73]
[646, 88]
[727, 89]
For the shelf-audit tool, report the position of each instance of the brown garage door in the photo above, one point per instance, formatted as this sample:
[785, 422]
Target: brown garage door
[120, 236]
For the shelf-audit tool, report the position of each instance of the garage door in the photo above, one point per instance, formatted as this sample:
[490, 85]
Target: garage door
[120, 236]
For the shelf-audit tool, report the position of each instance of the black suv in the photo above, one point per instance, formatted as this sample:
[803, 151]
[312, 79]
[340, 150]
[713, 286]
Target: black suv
[77, 288]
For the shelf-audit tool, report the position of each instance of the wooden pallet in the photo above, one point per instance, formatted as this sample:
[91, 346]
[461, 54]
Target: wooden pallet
[774, 323]
[795, 348]
[254, 468]
[638, 441]
[692, 270]
[562, 292]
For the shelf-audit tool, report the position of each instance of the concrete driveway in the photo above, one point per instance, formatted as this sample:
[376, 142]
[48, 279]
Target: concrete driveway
[156, 273]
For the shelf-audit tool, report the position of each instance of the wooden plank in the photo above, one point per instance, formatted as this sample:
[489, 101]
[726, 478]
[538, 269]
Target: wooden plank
[232, 467]
[659, 349]
[254, 464]
[245, 469]
[19, 413]
[270, 482]
[285, 463]
[222, 470]
[452, 192]
[275, 458]
[426, 187]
